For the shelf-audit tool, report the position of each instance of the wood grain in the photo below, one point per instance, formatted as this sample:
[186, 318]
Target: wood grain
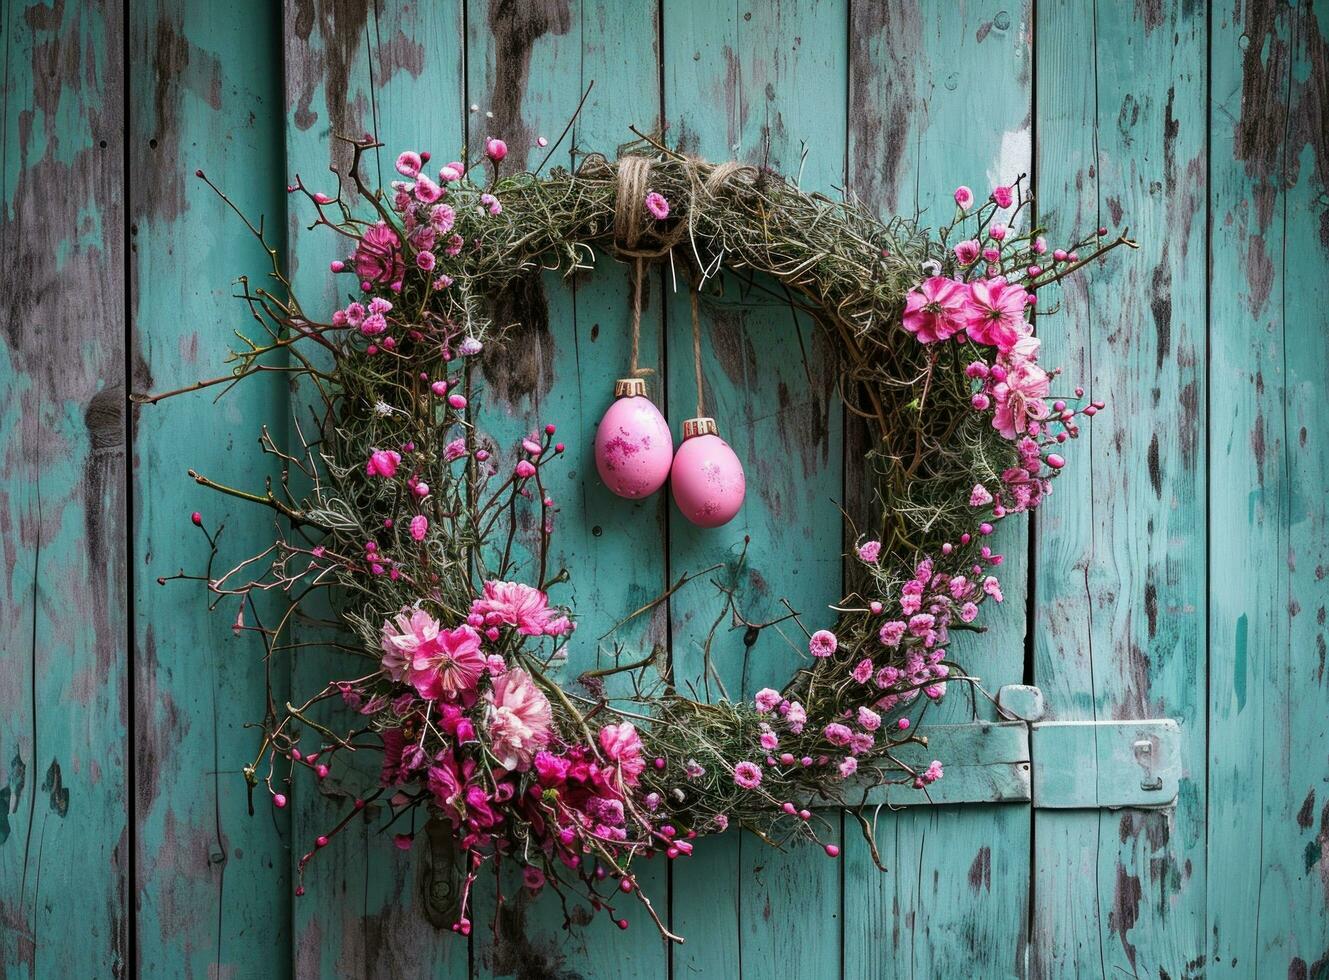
[213, 881]
[394, 69]
[1178, 571]
[769, 382]
[64, 795]
[926, 117]
[1268, 831]
[1120, 548]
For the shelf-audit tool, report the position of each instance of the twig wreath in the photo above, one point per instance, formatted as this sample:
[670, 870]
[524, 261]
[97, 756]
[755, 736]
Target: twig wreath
[395, 507]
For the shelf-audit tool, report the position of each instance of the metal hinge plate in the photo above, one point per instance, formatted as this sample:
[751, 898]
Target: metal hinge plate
[1055, 765]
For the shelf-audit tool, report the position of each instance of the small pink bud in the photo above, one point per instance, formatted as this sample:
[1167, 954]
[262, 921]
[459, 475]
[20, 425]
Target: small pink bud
[321, 841]
[457, 401]
[197, 518]
[832, 851]
[902, 724]
[495, 149]
[1055, 461]
[279, 800]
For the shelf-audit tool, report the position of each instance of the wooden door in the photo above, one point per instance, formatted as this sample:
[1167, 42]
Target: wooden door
[1177, 573]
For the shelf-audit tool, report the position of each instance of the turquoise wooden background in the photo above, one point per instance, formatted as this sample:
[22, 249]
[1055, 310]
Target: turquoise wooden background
[1178, 572]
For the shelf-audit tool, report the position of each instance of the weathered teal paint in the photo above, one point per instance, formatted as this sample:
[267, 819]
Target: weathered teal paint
[64, 679]
[213, 882]
[1194, 589]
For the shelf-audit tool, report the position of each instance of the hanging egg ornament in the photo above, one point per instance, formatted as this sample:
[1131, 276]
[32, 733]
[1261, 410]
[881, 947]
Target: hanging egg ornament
[707, 478]
[633, 445]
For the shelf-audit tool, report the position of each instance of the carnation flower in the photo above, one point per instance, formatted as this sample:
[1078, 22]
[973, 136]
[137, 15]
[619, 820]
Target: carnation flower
[495, 149]
[964, 196]
[837, 734]
[411, 631]
[377, 257]
[868, 719]
[449, 667]
[454, 450]
[796, 716]
[694, 769]
[1019, 398]
[657, 205]
[519, 718]
[766, 700]
[516, 605]
[933, 772]
[848, 766]
[747, 775]
[1003, 196]
[891, 633]
[419, 527]
[935, 309]
[822, 643]
[869, 551]
[622, 745]
[409, 163]
[979, 496]
[862, 672]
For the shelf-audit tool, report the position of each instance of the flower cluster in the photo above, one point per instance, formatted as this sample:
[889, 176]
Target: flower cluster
[414, 517]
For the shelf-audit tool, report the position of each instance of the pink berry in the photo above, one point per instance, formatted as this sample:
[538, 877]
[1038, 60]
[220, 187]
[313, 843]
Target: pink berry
[197, 518]
[832, 850]
[279, 800]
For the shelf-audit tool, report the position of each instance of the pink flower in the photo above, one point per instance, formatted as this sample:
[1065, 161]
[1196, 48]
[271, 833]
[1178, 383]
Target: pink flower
[518, 718]
[622, 745]
[979, 496]
[1003, 196]
[454, 450]
[525, 470]
[995, 313]
[441, 218]
[495, 149]
[992, 587]
[868, 719]
[837, 734]
[869, 551]
[383, 462]
[796, 716]
[933, 772]
[409, 163]
[657, 205]
[419, 527]
[766, 699]
[1020, 397]
[425, 260]
[532, 877]
[862, 672]
[848, 766]
[964, 196]
[997, 232]
[449, 667]
[747, 775]
[891, 633]
[516, 605]
[404, 637]
[377, 255]
[823, 643]
[935, 309]
[966, 253]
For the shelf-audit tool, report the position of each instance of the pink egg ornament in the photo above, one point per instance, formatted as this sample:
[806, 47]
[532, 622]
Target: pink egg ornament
[707, 478]
[633, 445]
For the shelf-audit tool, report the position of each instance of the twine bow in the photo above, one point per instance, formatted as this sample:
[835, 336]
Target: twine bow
[639, 239]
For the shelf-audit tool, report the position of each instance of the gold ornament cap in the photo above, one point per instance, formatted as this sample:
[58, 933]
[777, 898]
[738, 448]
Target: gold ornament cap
[629, 387]
[699, 427]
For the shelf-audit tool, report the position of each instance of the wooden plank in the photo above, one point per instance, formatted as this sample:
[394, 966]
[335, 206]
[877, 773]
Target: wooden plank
[941, 96]
[64, 838]
[213, 882]
[1268, 775]
[740, 82]
[528, 67]
[1120, 547]
[395, 69]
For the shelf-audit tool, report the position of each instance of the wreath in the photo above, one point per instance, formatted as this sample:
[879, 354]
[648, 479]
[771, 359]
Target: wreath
[398, 508]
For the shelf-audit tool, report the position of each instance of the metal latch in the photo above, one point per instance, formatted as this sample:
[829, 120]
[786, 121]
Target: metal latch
[1049, 764]
[1097, 764]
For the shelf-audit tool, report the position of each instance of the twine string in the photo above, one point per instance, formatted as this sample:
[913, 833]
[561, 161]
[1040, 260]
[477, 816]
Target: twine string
[696, 348]
[640, 240]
